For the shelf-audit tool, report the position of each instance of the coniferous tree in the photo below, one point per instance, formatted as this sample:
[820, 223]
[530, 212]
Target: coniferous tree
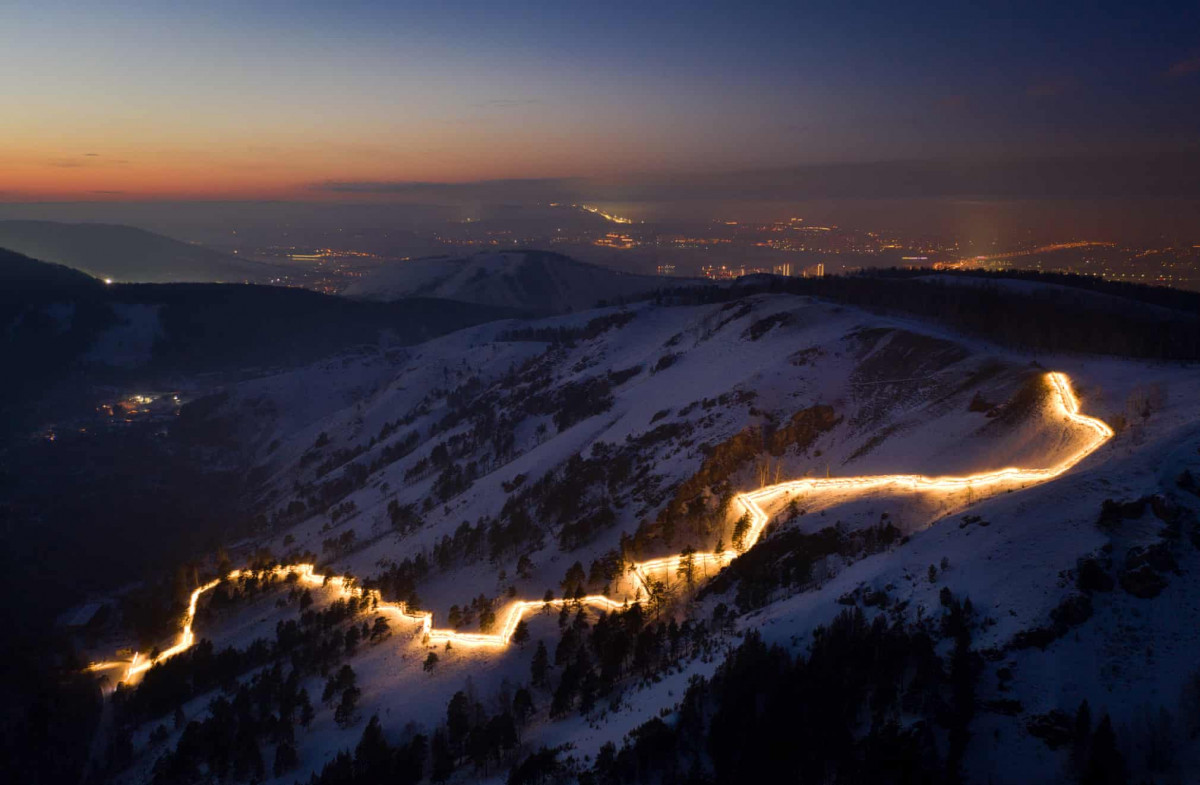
[458, 720]
[343, 715]
[441, 758]
[1083, 737]
[541, 663]
[286, 759]
[1105, 765]
[522, 705]
[373, 755]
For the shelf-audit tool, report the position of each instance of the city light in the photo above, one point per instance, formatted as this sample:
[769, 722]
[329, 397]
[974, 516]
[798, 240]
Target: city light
[1095, 433]
[617, 219]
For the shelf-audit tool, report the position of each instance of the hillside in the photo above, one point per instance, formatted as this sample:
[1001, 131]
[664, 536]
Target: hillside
[529, 280]
[126, 254]
[508, 460]
[63, 331]
[18, 272]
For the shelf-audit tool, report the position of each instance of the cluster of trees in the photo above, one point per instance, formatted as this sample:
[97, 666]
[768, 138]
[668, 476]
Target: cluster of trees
[398, 581]
[403, 517]
[697, 512]
[568, 336]
[342, 688]
[376, 761]
[1093, 752]
[581, 495]
[342, 543]
[50, 711]
[469, 736]
[578, 497]
[323, 496]
[591, 659]
[482, 606]
[872, 702]
[227, 744]
[394, 451]
[453, 480]
[1055, 319]
[340, 457]
[576, 401]
[787, 557]
[487, 538]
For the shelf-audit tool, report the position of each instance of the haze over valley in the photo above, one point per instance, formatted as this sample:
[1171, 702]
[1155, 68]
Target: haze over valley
[680, 394]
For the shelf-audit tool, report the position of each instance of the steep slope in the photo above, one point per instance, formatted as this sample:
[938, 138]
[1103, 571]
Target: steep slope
[124, 253]
[531, 280]
[482, 466]
[61, 327]
[19, 272]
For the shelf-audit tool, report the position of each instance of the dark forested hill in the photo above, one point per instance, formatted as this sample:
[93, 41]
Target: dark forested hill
[58, 323]
[125, 253]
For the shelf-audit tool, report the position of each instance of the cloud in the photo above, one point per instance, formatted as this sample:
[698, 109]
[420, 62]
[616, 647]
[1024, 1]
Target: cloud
[1047, 178]
[1185, 67]
[107, 193]
[511, 190]
[91, 155]
[66, 163]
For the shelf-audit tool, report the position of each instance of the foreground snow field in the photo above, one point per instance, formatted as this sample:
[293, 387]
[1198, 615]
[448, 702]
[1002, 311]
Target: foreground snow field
[477, 433]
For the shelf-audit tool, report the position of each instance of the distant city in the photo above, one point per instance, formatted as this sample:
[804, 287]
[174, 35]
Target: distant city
[720, 249]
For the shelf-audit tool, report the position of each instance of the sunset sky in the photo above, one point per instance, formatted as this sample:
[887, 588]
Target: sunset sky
[319, 100]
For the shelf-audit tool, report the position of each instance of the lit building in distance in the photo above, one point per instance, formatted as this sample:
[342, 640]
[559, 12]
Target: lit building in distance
[616, 240]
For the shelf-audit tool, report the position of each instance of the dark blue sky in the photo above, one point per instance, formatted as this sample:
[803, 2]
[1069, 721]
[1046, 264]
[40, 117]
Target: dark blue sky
[152, 99]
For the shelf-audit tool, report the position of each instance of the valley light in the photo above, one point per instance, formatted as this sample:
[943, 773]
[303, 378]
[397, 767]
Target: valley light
[1095, 431]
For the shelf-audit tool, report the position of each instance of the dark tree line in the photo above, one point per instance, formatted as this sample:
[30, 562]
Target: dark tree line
[228, 742]
[872, 702]
[568, 336]
[1055, 319]
[592, 659]
[376, 761]
[786, 559]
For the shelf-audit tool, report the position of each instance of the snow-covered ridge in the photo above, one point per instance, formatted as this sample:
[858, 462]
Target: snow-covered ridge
[1093, 434]
[516, 400]
[531, 280]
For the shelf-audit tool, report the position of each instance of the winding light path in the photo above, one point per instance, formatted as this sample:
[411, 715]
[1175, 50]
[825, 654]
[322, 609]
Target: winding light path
[1095, 432]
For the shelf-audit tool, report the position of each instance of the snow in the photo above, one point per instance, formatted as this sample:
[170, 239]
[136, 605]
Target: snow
[130, 343]
[1012, 569]
[533, 281]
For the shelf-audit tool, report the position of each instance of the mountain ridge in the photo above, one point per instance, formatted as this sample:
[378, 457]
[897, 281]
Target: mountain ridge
[544, 281]
[126, 254]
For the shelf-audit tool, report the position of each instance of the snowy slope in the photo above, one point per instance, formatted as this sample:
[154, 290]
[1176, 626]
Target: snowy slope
[908, 397]
[530, 280]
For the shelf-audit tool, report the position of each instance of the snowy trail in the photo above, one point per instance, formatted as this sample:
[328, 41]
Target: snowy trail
[1094, 434]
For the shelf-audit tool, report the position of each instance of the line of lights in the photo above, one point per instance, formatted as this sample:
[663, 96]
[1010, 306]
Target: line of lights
[617, 219]
[752, 502]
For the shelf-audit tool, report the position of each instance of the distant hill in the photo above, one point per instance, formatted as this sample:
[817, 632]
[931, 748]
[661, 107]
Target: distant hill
[533, 280]
[21, 272]
[56, 324]
[126, 254]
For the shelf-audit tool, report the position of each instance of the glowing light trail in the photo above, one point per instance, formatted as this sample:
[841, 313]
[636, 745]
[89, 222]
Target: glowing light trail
[1096, 433]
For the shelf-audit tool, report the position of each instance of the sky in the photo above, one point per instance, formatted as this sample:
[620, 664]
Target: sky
[367, 99]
